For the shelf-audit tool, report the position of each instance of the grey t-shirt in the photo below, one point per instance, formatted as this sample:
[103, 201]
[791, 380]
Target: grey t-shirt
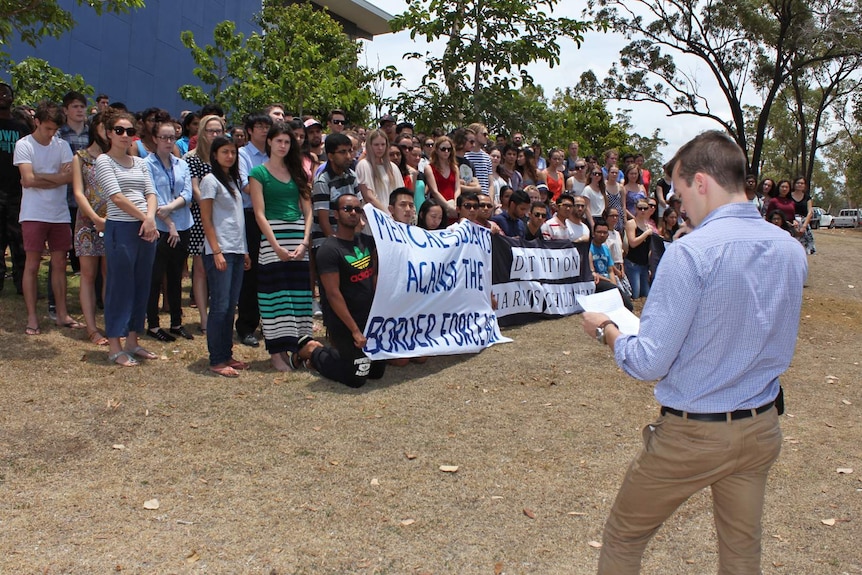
[228, 216]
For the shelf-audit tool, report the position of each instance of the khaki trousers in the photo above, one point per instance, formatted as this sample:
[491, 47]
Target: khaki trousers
[679, 458]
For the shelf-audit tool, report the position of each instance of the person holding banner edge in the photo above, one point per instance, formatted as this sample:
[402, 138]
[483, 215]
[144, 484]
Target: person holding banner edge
[717, 348]
[347, 267]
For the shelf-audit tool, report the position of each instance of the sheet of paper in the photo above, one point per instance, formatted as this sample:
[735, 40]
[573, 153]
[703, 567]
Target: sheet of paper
[610, 303]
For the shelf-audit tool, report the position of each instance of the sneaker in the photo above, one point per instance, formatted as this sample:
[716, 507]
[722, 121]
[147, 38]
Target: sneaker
[181, 331]
[52, 312]
[315, 309]
[161, 335]
[249, 340]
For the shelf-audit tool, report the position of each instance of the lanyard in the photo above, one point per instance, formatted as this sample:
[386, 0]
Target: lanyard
[170, 175]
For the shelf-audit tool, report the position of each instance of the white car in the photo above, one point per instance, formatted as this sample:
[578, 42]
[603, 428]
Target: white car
[821, 219]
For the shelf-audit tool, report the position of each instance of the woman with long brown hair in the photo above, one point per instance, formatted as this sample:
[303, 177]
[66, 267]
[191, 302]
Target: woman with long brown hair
[441, 176]
[281, 198]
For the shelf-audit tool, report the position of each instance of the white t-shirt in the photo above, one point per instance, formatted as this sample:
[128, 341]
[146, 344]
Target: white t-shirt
[554, 229]
[228, 216]
[597, 200]
[43, 204]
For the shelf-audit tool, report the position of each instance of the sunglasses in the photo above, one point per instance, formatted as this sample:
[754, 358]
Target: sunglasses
[579, 168]
[445, 149]
[653, 205]
[350, 209]
[119, 130]
[597, 174]
[541, 215]
[486, 206]
[643, 208]
[339, 122]
[429, 144]
[470, 206]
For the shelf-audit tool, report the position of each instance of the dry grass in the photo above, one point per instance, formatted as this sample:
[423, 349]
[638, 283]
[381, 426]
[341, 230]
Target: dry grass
[294, 474]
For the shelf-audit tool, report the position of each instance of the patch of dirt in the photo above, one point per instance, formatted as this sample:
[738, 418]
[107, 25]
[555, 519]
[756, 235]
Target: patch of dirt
[293, 474]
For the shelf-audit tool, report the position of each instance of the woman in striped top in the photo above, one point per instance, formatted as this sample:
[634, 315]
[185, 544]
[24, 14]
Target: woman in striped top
[130, 236]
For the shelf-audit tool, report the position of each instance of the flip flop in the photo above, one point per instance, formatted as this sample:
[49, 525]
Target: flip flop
[225, 371]
[73, 324]
[237, 364]
[97, 338]
[32, 330]
[130, 361]
[142, 353]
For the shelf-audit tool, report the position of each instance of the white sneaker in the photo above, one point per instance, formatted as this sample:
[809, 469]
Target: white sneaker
[315, 309]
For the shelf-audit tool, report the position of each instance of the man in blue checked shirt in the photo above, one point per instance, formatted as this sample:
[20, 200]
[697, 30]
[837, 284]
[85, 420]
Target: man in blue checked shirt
[717, 348]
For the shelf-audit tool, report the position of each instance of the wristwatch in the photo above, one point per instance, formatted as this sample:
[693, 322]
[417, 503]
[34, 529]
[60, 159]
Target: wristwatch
[600, 331]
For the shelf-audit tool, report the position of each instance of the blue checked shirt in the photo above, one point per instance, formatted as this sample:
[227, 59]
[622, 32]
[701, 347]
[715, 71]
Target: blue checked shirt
[721, 319]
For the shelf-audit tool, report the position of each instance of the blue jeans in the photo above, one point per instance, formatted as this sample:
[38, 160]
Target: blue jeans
[224, 290]
[638, 276]
[127, 286]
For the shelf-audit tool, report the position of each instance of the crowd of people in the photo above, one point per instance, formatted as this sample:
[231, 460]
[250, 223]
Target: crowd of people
[130, 198]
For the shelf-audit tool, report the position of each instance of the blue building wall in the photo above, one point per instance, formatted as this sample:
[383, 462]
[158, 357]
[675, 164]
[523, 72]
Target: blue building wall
[137, 58]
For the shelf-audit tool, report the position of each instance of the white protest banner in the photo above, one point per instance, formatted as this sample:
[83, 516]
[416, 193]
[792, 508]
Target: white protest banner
[433, 290]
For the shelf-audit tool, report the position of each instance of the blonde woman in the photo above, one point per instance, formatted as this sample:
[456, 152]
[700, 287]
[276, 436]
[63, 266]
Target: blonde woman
[376, 174]
[211, 127]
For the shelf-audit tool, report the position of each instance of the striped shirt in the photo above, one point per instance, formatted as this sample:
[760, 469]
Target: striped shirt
[134, 183]
[481, 168]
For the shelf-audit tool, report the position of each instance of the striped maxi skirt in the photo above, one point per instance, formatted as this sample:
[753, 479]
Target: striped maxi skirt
[284, 289]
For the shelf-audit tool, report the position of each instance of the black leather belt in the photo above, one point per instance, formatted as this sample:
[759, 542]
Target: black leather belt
[727, 416]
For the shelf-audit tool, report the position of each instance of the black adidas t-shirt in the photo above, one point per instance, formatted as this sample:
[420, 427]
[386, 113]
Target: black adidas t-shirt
[355, 265]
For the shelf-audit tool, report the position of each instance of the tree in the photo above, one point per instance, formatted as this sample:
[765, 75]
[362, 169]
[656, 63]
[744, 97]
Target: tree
[489, 43]
[301, 57]
[35, 80]
[755, 45]
[31, 21]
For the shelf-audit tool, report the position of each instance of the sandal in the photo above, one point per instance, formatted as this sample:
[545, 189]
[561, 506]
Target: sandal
[142, 353]
[72, 324]
[237, 364]
[129, 360]
[32, 330]
[97, 338]
[225, 371]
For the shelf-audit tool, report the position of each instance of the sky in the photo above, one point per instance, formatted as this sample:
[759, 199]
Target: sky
[598, 52]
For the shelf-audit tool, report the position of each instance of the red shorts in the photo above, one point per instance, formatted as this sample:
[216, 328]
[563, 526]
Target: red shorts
[36, 234]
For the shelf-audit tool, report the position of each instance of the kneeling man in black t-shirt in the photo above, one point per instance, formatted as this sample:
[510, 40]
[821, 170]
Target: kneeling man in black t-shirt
[347, 266]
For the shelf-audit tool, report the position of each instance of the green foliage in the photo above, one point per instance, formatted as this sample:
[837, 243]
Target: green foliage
[300, 58]
[35, 80]
[488, 43]
[31, 21]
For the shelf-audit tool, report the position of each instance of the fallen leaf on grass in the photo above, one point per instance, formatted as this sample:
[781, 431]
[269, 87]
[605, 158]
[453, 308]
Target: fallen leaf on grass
[410, 456]
[529, 513]
[777, 564]
[84, 357]
[846, 402]
[449, 468]
[375, 481]
[406, 522]
[317, 428]
[119, 446]
[193, 557]
[498, 568]
[846, 470]
[566, 352]
[830, 522]
[576, 513]
[151, 504]
[690, 561]
[594, 544]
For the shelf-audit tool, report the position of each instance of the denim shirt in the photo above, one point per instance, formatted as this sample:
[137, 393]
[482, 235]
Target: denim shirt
[720, 323]
[171, 184]
[249, 157]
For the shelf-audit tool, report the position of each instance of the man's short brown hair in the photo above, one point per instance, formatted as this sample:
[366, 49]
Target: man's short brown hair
[713, 153]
